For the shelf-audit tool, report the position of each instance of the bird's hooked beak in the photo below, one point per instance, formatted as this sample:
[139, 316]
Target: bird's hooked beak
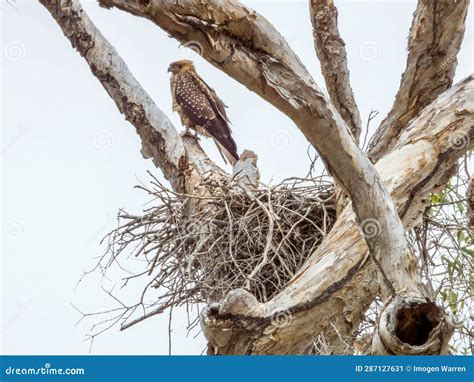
[169, 69]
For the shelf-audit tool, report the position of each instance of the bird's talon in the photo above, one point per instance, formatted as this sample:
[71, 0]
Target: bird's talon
[190, 135]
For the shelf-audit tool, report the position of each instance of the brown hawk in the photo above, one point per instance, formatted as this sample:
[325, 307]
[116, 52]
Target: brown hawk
[200, 108]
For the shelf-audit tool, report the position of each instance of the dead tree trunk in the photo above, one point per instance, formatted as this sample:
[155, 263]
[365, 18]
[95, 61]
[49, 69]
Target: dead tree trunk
[366, 252]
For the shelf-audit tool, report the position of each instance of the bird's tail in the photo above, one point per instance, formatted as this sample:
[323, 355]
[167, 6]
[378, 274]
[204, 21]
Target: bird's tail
[225, 154]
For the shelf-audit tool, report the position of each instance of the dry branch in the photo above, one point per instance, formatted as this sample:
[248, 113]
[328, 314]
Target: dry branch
[337, 281]
[247, 47]
[470, 203]
[412, 321]
[433, 44]
[444, 247]
[253, 239]
[331, 51]
[182, 161]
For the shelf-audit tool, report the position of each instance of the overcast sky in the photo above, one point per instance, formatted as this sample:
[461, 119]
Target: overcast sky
[70, 160]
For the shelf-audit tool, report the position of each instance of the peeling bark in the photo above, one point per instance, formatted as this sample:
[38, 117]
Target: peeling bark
[331, 51]
[338, 281]
[470, 203]
[245, 171]
[182, 163]
[248, 48]
[433, 44]
[412, 326]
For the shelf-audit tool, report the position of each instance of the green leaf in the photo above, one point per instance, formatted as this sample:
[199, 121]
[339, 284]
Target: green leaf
[468, 251]
[453, 301]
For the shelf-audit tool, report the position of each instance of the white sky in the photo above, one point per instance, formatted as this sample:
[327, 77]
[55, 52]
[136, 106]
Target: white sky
[70, 160]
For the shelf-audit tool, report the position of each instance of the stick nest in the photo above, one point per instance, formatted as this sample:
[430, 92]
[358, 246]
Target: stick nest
[197, 249]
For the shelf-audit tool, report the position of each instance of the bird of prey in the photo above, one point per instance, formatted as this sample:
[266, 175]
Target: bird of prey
[200, 108]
